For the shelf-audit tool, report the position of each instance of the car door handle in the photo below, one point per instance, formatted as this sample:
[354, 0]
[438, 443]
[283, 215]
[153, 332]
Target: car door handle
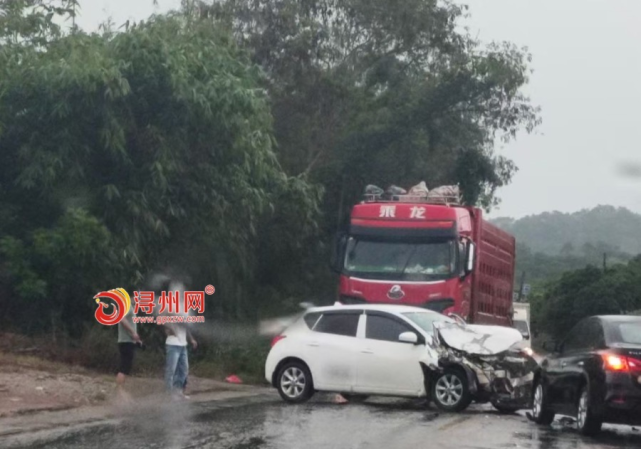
[367, 351]
[314, 343]
[580, 364]
[563, 364]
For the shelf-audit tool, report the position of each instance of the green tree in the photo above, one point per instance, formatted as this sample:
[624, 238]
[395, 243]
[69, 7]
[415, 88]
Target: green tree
[587, 292]
[31, 22]
[380, 91]
[159, 138]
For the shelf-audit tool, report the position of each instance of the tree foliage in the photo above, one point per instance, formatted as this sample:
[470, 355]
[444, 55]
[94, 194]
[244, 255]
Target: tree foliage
[226, 139]
[31, 22]
[587, 292]
[382, 91]
[541, 268]
[134, 147]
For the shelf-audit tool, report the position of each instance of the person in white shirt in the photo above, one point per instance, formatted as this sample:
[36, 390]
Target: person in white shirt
[177, 361]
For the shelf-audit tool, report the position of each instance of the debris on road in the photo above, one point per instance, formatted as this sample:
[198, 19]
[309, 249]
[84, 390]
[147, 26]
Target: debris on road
[233, 379]
[567, 421]
[339, 399]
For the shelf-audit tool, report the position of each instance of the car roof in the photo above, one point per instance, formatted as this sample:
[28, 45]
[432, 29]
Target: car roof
[390, 308]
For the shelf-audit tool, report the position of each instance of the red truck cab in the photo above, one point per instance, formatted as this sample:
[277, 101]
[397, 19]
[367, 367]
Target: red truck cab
[443, 257]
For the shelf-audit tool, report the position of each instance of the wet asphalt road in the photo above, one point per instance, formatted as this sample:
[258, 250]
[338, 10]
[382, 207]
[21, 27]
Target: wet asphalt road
[265, 422]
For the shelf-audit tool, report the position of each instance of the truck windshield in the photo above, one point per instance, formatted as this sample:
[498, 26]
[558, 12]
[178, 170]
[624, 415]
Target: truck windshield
[399, 261]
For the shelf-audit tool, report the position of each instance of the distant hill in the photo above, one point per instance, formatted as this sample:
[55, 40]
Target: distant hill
[602, 229]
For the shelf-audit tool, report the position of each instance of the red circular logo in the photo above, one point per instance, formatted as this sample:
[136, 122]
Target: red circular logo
[121, 305]
[210, 289]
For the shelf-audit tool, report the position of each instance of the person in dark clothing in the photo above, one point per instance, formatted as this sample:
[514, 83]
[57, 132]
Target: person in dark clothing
[128, 338]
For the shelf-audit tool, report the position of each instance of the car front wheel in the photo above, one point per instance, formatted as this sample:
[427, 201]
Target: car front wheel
[295, 383]
[586, 421]
[540, 412]
[450, 391]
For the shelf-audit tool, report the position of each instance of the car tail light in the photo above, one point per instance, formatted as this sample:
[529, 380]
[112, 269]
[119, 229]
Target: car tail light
[276, 339]
[621, 363]
[634, 364]
[615, 362]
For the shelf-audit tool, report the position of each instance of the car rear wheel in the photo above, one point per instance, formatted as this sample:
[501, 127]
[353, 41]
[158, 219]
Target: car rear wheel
[450, 391]
[540, 410]
[586, 421]
[295, 383]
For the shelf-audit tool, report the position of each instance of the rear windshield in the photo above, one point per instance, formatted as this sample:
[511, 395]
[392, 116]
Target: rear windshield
[630, 333]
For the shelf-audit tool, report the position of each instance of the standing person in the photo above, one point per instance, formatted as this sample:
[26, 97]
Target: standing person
[127, 339]
[177, 364]
[177, 360]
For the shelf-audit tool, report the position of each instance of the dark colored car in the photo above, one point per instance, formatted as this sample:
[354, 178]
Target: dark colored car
[594, 375]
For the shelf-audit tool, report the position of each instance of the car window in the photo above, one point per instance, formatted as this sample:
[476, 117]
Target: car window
[311, 319]
[594, 338]
[630, 333]
[339, 324]
[383, 328]
[576, 339]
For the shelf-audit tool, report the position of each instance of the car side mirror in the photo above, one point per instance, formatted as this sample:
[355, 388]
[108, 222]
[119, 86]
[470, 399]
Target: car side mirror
[552, 347]
[408, 337]
[338, 252]
[470, 258]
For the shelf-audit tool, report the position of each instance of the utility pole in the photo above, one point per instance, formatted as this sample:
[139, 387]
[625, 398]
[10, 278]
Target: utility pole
[605, 264]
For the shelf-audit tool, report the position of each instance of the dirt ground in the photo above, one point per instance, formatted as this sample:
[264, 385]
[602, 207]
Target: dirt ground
[30, 384]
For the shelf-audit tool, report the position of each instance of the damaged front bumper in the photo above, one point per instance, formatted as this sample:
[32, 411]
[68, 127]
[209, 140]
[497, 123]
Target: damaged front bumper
[498, 369]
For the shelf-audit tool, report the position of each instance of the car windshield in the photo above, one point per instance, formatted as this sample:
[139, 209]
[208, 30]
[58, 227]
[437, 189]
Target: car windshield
[399, 261]
[425, 320]
[630, 333]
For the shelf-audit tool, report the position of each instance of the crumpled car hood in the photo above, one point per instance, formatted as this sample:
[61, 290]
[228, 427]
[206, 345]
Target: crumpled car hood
[503, 373]
[477, 339]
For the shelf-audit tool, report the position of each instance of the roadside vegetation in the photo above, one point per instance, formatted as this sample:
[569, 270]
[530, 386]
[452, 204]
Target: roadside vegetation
[585, 292]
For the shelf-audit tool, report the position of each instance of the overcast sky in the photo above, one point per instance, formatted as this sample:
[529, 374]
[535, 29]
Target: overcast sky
[587, 81]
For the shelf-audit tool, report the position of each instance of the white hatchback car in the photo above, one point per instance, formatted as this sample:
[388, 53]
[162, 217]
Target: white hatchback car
[358, 350]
